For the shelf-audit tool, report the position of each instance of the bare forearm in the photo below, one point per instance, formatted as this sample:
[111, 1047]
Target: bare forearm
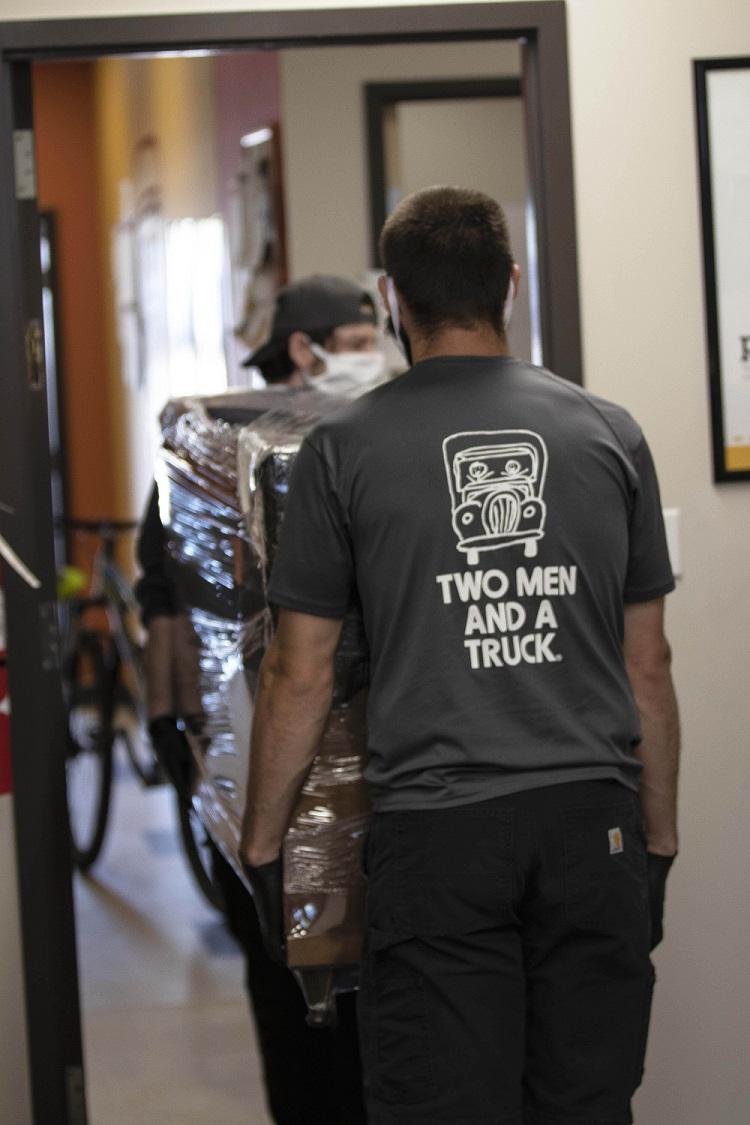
[287, 727]
[659, 754]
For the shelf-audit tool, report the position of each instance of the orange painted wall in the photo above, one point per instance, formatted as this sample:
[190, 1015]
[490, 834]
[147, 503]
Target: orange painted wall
[66, 147]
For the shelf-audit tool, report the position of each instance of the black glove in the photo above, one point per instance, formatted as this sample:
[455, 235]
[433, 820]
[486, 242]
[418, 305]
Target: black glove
[174, 754]
[658, 869]
[267, 883]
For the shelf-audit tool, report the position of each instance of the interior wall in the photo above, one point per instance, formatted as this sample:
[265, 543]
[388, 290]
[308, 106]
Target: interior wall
[247, 97]
[171, 99]
[640, 264]
[15, 1103]
[65, 129]
[478, 143]
[325, 149]
[471, 141]
[643, 330]
[89, 118]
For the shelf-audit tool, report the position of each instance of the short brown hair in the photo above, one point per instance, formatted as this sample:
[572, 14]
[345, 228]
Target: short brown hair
[448, 252]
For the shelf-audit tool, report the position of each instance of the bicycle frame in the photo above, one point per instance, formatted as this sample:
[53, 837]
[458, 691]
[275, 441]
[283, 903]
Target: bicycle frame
[110, 588]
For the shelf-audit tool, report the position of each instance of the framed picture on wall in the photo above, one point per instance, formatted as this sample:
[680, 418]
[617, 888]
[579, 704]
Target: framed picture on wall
[722, 89]
[257, 235]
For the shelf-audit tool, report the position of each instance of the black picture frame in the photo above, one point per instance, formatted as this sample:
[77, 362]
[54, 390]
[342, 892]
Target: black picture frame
[730, 462]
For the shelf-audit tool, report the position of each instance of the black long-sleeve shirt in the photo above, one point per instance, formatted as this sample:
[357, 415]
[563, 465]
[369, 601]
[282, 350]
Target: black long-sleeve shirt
[154, 590]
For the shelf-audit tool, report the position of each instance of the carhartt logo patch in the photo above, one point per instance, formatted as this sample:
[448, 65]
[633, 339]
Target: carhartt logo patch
[615, 841]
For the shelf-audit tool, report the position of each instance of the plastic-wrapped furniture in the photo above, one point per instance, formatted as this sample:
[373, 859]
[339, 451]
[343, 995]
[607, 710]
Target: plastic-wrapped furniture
[223, 479]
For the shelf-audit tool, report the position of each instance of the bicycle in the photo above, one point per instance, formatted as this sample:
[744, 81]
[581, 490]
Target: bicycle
[105, 696]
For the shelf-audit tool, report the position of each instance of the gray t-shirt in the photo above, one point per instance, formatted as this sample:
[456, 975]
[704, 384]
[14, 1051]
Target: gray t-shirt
[492, 520]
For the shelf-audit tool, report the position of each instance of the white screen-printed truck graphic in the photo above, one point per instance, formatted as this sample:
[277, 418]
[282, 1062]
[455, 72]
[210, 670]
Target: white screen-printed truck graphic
[496, 479]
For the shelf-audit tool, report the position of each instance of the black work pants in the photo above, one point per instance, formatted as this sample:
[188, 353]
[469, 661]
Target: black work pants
[313, 1076]
[507, 978]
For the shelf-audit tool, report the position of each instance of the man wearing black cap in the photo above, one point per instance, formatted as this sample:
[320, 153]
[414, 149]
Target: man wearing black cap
[323, 335]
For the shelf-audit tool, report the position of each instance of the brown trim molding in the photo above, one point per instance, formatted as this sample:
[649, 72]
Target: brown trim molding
[275, 29]
[25, 517]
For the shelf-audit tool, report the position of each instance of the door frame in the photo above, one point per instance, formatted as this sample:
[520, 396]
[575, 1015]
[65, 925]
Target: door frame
[379, 96]
[37, 722]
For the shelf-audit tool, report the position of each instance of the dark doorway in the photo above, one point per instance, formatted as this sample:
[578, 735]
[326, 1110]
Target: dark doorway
[469, 133]
[26, 521]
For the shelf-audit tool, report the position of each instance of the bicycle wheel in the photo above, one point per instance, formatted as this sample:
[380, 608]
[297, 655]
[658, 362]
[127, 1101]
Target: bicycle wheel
[89, 758]
[197, 847]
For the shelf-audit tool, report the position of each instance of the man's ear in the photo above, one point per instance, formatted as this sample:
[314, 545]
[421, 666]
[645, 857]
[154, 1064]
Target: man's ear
[298, 347]
[515, 274]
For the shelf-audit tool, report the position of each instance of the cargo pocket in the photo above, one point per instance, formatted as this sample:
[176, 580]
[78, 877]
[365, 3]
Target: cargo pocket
[606, 886]
[400, 1038]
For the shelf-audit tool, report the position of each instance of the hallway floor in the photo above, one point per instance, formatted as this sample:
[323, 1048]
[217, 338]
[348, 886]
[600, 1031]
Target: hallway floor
[168, 1037]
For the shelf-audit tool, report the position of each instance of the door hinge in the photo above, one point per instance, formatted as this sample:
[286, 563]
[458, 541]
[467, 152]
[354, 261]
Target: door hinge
[34, 338]
[25, 163]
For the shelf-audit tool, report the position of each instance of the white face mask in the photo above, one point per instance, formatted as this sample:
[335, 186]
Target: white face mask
[508, 306]
[346, 373]
[402, 341]
[390, 290]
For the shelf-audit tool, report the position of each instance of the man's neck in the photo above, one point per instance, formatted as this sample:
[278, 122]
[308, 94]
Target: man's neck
[484, 341]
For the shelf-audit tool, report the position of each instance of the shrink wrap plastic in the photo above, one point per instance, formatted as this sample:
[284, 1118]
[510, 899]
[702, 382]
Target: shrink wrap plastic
[223, 480]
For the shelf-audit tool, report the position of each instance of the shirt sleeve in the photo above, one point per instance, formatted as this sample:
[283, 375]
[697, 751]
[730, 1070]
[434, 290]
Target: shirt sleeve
[649, 573]
[313, 571]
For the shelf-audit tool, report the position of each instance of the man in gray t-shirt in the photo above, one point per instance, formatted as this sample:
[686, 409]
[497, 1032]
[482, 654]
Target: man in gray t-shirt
[502, 531]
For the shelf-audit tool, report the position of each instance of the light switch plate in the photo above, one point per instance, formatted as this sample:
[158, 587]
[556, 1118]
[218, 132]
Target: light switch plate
[672, 527]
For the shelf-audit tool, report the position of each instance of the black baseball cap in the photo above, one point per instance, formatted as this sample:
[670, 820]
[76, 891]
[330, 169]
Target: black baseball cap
[311, 305]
